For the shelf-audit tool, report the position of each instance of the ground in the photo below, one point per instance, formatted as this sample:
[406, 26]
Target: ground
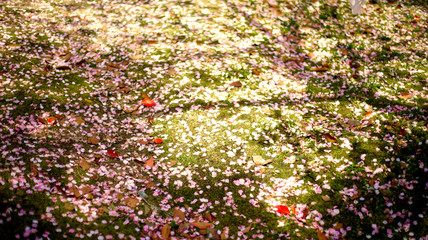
[221, 119]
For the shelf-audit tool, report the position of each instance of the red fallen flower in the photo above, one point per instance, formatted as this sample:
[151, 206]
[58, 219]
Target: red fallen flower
[282, 209]
[148, 102]
[112, 154]
[157, 140]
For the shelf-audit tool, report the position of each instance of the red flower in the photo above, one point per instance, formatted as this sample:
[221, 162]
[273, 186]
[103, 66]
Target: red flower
[282, 209]
[157, 140]
[148, 102]
[112, 154]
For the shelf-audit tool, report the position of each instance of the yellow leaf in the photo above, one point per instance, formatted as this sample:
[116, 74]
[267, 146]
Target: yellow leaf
[84, 164]
[166, 230]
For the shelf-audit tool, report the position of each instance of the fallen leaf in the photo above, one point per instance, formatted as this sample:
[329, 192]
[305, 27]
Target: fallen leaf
[321, 235]
[112, 153]
[236, 84]
[132, 109]
[326, 198]
[210, 217]
[293, 210]
[85, 190]
[256, 72]
[89, 196]
[201, 225]
[67, 57]
[135, 57]
[305, 213]
[149, 163]
[126, 90]
[224, 234]
[166, 230]
[320, 69]
[402, 131]
[172, 163]
[93, 140]
[338, 226]
[13, 46]
[69, 206]
[183, 227]
[132, 202]
[282, 209]
[247, 229]
[64, 67]
[34, 169]
[258, 160]
[148, 102]
[142, 141]
[357, 195]
[42, 120]
[157, 140]
[177, 213]
[368, 114]
[84, 164]
[330, 138]
[79, 120]
[76, 192]
[344, 52]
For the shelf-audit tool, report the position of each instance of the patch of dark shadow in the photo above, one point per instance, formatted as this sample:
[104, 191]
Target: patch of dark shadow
[87, 32]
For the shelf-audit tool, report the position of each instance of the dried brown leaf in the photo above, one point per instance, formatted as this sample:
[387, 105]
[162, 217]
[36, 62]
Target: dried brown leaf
[326, 198]
[179, 214]
[93, 140]
[84, 164]
[201, 225]
[132, 202]
[236, 84]
[320, 69]
[321, 235]
[330, 138]
[149, 163]
[79, 120]
[166, 230]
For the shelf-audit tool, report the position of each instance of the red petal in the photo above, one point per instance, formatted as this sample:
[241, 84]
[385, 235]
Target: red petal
[148, 102]
[112, 154]
[282, 209]
[157, 140]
